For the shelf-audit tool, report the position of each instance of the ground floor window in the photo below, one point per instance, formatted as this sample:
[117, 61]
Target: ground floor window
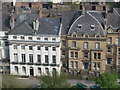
[24, 70]
[118, 60]
[47, 71]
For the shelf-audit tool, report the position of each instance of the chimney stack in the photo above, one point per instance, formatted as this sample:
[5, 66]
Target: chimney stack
[83, 8]
[40, 10]
[12, 22]
[36, 24]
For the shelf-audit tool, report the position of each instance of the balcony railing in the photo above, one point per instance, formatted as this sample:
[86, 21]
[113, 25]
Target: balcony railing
[45, 64]
[14, 62]
[53, 64]
[22, 63]
[74, 48]
[38, 63]
[30, 63]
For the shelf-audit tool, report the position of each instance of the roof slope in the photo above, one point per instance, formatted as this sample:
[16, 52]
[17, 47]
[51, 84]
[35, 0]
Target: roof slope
[22, 28]
[90, 18]
[24, 25]
[114, 18]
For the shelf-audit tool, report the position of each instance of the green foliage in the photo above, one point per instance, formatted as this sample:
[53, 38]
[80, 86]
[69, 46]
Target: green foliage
[92, 78]
[9, 81]
[107, 80]
[54, 81]
[114, 4]
[74, 77]
[50, 3]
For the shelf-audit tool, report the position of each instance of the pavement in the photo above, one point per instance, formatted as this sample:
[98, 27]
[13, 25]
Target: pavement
[32, 82]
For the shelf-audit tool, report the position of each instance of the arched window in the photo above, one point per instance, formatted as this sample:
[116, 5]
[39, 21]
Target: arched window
[24, 70]
[86, 35]
[39, 71]
[74, 35]
[47, 71]
[97, 36]
[16, 70]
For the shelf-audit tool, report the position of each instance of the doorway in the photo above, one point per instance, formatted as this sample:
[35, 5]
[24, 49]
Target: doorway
[31, 71]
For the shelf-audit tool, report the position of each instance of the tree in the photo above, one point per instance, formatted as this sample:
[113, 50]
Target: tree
[107, 80]
[54, 81]
[114, 4]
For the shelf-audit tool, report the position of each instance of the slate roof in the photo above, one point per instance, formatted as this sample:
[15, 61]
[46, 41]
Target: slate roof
[90, 18]
[24, 25]
[5, 21]
[114, 18]
[66, 18]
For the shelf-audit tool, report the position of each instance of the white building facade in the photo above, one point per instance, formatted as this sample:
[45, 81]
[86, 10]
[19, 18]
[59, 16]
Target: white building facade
[38, 56]
[4, 49]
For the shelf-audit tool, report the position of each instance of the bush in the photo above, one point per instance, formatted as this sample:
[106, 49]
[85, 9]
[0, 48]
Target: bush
[74, 77]
[92, 78]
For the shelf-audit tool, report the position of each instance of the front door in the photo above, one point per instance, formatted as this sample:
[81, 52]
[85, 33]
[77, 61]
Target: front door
[85, 65]
[31, 72]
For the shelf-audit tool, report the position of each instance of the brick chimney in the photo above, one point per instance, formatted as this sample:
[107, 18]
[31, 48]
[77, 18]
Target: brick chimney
[40, 10]
[83, 8]
[12, 22]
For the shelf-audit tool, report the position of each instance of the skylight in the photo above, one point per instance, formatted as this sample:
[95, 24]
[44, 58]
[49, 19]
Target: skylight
[92, 27]
[79, 25]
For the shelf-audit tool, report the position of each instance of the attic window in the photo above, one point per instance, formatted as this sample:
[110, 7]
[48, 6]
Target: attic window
[79, 25]
[38, 38]
[92, 27]
[22, 37]
[30, 38]
[97, 36]
[110, 31]
[14, 37]
[74, 35]
[86, 35]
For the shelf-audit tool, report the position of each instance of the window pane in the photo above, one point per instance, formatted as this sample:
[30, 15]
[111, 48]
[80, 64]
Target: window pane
[39, 58]
[76, 54]
[54, 59]
[38, 48]
[99, 55]
[30, 48]
[31, 57]
[97, 45]
[46, 59]
[23, 57]
[73, 44]
[72, 54]
[86, 45]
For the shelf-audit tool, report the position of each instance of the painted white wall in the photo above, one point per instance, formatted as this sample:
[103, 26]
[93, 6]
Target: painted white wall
[35, 52]
[3, 49]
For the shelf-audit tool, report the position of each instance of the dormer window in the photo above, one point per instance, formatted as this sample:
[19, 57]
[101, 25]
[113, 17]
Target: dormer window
[110, 31]
[79, 26]
[92, 27]
[22, 37]
[14, 37]
[97, 36]
[30, 38]
[86, 35]
[74, 34]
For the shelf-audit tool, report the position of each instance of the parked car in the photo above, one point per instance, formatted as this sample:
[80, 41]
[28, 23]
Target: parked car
[80, 85]
[95, 87]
